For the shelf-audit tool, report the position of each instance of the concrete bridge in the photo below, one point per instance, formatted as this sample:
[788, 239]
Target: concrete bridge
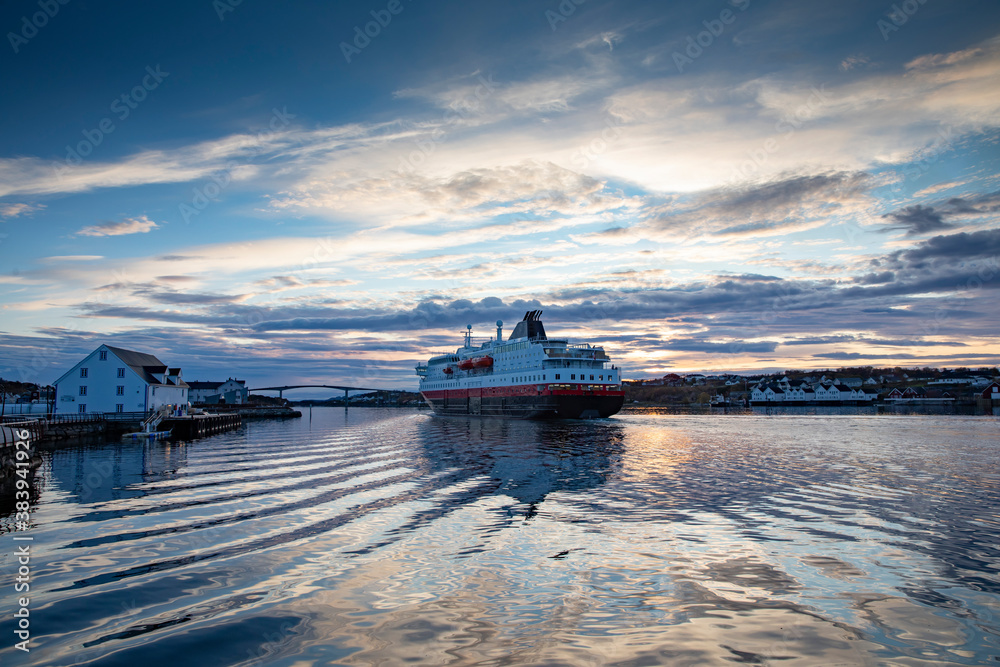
[281, 390]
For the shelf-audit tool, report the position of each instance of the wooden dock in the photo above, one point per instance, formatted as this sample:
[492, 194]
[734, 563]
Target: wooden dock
[190, 427]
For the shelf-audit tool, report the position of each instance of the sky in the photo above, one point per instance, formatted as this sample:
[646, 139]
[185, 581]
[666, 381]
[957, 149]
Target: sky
[329, 192]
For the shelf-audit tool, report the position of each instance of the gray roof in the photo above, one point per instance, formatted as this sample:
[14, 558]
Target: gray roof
[143, 364]
[199, 384]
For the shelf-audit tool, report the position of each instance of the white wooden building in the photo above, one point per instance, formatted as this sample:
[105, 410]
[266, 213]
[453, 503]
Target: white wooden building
[230, 392]
[112, 379]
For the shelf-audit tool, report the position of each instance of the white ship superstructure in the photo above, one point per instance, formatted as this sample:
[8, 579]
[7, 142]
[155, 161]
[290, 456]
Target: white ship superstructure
[527, 375]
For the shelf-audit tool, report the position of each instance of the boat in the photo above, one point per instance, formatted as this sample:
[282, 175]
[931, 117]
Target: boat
[145, 435]
[526, 376]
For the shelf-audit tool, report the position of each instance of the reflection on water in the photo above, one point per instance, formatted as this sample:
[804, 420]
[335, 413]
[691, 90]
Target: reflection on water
[387, 536]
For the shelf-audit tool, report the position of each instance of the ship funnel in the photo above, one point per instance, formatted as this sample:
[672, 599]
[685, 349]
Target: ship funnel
[499, 330]
[530, 327]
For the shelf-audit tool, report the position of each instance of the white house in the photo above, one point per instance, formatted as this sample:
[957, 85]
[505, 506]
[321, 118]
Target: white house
[799, 391]
[826, 392]
[846, 393]
[763, 393]
[112, 379]
[230, 392]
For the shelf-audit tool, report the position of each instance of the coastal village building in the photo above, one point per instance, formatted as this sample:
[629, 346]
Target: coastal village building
[112, 379]
[802, 392]
[230, 392]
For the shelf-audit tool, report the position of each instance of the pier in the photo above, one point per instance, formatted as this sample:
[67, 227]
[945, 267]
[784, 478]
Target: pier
[189, 427]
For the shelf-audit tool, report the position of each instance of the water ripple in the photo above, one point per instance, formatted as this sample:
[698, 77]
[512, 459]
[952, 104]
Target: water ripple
[374, 536]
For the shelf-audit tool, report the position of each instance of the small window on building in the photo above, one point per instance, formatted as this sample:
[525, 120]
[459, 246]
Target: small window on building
[83, 390]
[591, 377]
[120, 391]
[81, 408]
[83, 372]
[557, 376]
[121, 372]
[119, 407]
[103, 355]
[573, 376]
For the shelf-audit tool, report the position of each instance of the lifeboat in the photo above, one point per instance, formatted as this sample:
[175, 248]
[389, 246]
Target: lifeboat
[465, 364]
[482, 362]
[447, 370]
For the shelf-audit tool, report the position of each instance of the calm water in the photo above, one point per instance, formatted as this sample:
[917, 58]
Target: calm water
[393, 537]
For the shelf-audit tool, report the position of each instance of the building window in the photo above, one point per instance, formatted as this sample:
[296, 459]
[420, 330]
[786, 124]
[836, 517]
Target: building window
[120, 391]
[121, 372]
[591, 377]
[103, 355]
[557, 376]
[83, 390]
[82, 408]
[573, 376]
[83, 372]
[119, 407]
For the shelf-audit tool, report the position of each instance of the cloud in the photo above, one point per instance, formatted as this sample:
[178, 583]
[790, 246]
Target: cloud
[853, 62]
[916, 220]
[875, 278]
[950, 249]
[72, 258]
[793, 203]
[855, 356]
[920, 219]
[733, 347]
[14, 210]
[140, 225]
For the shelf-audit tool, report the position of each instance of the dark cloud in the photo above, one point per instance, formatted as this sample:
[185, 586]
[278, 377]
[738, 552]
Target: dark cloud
[181, 298]
[851, 356]
[924, 219]
[875, 278]
[174, 258]
[750, 277]
[916, 220]
[734, 347]
[763, 208]
[882, 342]
[953, 247]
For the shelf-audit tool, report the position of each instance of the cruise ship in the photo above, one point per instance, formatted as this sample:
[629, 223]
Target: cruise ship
[527, 376]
